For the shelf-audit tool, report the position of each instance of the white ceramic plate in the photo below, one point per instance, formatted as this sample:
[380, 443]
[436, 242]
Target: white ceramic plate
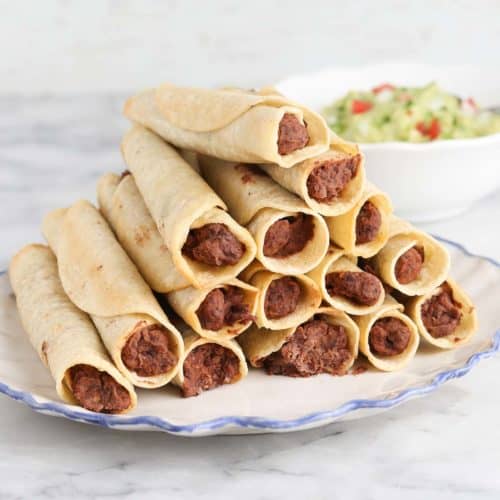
[427, 181]
[262, 403]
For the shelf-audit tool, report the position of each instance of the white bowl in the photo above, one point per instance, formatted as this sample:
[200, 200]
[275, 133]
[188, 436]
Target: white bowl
[427, 181]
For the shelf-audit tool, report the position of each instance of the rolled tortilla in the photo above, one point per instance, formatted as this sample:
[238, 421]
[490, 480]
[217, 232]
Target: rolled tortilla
[258, 344]
[63, 335]
[387, 363]
[402, 238]
[210, 369]
[187, 302]
[235, 126]
[307, 302]
[257, 202]
[179, 200]
[343, 159]
[466, 324]
[336, 261]
[343, 227]
[100, 279]
[122, 206]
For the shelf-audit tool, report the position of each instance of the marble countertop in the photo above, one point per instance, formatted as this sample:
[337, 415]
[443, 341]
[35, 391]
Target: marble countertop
[447, 445]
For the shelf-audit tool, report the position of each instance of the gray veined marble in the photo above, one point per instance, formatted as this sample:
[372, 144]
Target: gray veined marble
[446, 446]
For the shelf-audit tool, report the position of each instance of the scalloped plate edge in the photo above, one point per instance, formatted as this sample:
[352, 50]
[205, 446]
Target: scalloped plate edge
[255, 424]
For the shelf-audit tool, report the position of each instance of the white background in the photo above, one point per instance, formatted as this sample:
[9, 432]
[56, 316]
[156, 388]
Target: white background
[54, 147]
[72, 46]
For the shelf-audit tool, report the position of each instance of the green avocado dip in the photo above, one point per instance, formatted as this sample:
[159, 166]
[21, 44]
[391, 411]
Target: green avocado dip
[409, 114]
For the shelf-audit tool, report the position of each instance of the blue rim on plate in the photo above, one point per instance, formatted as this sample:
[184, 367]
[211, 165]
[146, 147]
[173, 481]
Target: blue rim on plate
[261, 423]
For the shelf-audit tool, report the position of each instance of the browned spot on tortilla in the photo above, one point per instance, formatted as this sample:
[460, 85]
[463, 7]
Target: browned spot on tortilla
[248, 172]
[45, 350]
[142, 235]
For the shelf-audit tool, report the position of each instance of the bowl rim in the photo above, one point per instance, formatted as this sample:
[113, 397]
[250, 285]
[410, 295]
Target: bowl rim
[469, 142]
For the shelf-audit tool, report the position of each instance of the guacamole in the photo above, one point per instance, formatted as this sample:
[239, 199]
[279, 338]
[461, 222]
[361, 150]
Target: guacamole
[409, 114]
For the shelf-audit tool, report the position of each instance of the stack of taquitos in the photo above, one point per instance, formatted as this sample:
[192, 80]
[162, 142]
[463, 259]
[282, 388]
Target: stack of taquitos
[257, 226]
